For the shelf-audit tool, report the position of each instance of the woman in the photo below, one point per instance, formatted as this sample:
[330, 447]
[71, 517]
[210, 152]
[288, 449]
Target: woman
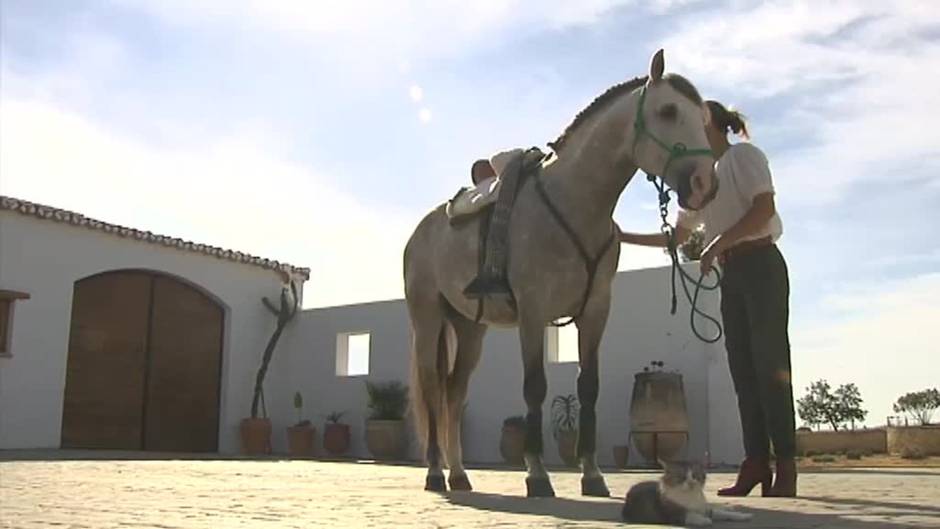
[742, 225]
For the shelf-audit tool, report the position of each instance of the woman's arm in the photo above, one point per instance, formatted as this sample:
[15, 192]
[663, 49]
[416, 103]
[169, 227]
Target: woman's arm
[657, 240]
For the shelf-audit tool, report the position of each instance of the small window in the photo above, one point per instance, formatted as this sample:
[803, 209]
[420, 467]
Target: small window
[561, 344]
[7, 298]
[352, 354]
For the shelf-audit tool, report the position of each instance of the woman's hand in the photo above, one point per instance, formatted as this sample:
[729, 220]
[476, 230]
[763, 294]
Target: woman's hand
[713, 252]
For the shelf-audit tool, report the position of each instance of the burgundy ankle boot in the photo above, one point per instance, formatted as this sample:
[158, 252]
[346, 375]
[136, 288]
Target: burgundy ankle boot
[785, 484]
[752, 472]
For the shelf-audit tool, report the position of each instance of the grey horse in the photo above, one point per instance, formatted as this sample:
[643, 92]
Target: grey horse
[563, 258]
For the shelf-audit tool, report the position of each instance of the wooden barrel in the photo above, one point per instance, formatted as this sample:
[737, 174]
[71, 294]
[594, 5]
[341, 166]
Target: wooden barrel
[659, 423]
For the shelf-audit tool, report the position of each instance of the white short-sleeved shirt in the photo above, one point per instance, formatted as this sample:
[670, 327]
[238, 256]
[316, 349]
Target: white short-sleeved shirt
[743, 173]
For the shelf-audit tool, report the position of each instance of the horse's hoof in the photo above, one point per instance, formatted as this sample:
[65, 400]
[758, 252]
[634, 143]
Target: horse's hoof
[594, 487]
[459, 483]
[435, 484]
[539, 488]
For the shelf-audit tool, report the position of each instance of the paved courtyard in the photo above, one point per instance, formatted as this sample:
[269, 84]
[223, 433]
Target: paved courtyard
[94, 494]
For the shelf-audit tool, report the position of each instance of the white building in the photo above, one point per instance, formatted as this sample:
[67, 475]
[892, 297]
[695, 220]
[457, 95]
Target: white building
[132, 340]
[127, 339]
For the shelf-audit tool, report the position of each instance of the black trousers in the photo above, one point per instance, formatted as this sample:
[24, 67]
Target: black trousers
[755, 293]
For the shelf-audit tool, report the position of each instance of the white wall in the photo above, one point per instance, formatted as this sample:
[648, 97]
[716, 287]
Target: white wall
[640, 329]
[45, 259]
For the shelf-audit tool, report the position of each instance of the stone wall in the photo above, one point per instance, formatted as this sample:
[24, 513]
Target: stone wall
[923, 439]
[873, 441]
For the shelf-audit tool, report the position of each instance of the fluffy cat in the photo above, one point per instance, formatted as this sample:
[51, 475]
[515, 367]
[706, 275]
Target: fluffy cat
[676, 499]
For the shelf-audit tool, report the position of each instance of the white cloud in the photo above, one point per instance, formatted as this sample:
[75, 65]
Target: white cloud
[883, 336]
[425, 115]
[416, 93]
[860, 74]
[227, 191]
[403, 32]
[919, 258]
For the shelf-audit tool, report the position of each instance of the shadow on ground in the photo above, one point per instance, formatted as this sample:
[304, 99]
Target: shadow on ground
[896, 506]
[560, 508]
[881, 515]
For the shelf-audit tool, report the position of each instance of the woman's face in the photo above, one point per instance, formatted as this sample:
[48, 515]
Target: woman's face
[716, 137]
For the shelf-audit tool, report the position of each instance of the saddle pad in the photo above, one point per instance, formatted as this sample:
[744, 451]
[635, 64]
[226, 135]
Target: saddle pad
[471, 200]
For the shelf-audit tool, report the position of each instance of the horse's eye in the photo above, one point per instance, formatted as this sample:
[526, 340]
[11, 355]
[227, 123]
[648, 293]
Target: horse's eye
[669, 112]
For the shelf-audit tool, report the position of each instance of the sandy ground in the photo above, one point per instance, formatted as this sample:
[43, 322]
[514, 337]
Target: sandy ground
[78, 492]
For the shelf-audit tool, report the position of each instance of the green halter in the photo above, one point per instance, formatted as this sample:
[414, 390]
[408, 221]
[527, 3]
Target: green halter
[676, 151]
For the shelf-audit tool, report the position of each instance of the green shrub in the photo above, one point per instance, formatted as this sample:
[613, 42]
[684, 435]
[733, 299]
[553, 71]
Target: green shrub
[387, 400]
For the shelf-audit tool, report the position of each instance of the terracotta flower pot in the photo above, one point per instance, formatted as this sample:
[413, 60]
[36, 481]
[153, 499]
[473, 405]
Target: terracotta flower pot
[567, 447]
[512, 444]
[256, 436]
[336, 437]
[621, 455]
[386, 439]
[301, 440]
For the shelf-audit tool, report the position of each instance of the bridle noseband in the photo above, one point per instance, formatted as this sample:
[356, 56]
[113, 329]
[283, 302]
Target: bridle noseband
[676, 151]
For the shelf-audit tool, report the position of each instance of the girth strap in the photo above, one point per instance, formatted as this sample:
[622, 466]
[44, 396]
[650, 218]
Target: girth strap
[590, 263]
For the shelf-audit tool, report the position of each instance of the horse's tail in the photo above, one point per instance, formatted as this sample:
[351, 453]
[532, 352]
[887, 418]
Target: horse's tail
[429, 370]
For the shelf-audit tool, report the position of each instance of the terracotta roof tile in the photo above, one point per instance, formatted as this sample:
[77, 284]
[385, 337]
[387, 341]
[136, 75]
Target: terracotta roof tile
[41, 211]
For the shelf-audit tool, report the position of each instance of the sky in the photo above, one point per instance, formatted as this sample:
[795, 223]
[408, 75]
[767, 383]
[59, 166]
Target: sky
[319, 133]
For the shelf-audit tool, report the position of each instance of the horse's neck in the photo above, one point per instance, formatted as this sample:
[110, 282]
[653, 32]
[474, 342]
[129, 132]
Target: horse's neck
[588, 177]
[588, 209]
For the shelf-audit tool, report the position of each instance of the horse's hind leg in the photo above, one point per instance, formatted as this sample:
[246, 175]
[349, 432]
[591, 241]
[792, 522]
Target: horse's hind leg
[469, 348]
[535, 386]
[590, 330]
[427, 385]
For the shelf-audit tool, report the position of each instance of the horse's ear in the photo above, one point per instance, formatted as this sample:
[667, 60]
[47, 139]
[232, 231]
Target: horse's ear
[657, 66]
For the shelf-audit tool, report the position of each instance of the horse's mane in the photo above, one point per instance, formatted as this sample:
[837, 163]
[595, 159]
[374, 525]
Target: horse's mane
[676, 81]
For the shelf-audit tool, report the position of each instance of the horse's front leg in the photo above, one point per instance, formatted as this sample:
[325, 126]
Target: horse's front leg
[591, 326]
[535, 386]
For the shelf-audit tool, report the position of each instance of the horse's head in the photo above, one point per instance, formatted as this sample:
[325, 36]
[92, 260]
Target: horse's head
[669, 135]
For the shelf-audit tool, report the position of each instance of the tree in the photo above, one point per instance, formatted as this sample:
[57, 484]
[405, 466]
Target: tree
[849, 404]
[823, 406]
[919, 405]
[811, 406]
[284, 314]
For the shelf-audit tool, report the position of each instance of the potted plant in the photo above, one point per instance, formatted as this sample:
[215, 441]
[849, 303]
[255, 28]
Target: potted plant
[385, 428]
[565, 427]
[336, 435]
[301, 437]
[512, 441]
[255, 430]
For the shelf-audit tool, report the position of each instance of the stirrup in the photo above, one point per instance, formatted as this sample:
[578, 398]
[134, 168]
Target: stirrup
[488, 286]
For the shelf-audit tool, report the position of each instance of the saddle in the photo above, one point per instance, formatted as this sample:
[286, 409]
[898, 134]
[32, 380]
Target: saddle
[471, 200]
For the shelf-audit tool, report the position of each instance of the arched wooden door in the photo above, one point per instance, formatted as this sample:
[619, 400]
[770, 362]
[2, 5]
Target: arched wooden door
[144, 363]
